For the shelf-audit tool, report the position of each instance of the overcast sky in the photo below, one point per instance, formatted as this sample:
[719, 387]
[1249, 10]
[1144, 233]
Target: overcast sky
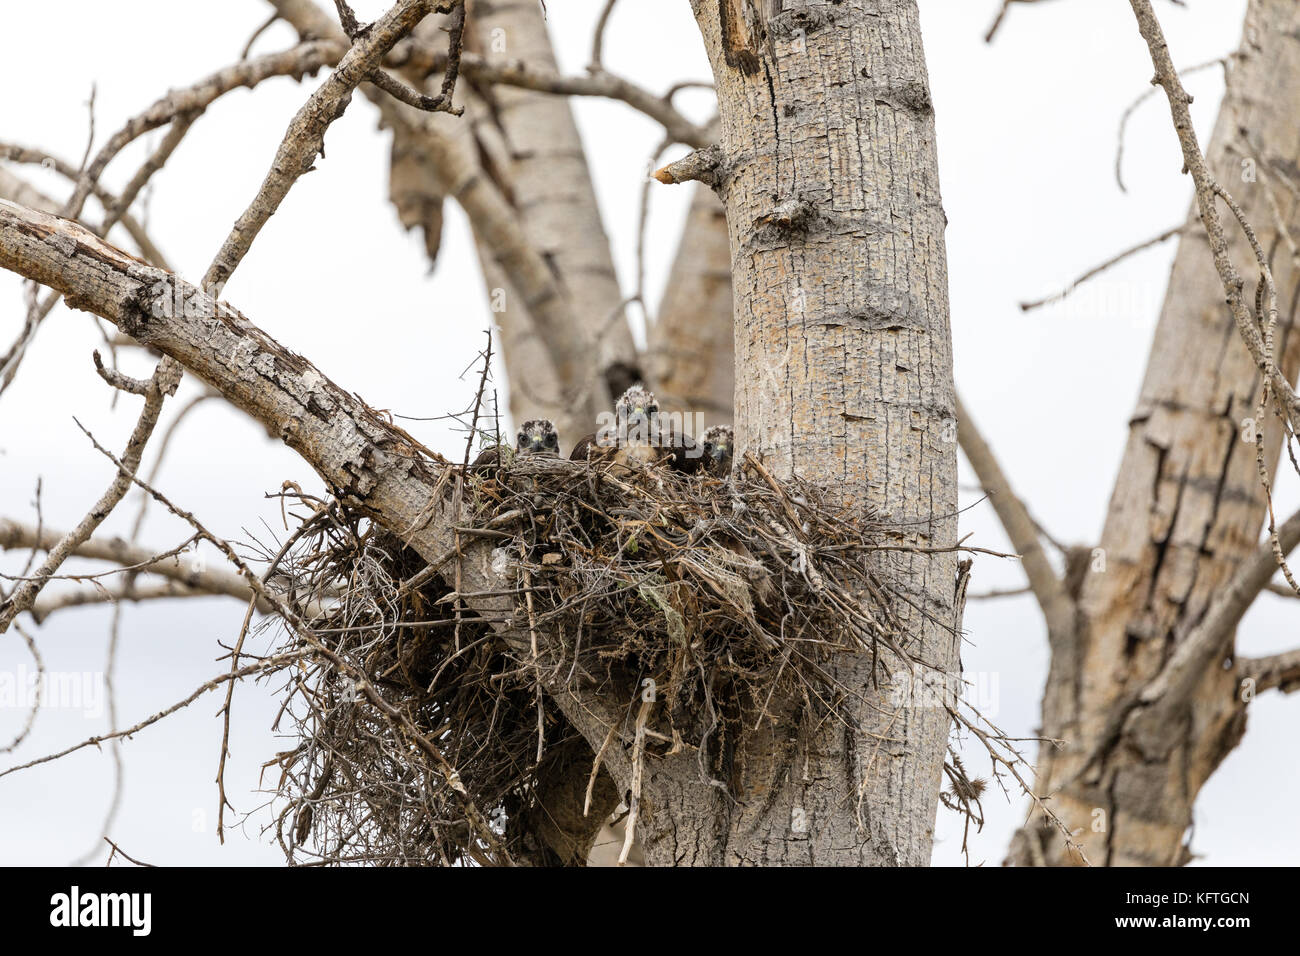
[1027, 136]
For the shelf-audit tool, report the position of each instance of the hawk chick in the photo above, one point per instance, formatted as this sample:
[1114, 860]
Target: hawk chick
[719, 442]
[536, 437]
[635, 432]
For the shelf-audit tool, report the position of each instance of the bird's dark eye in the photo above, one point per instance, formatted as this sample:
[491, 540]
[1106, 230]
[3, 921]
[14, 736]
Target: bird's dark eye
[708, 447]
[553, 441]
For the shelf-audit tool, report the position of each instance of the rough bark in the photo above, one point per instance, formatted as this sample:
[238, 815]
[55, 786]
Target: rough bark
[1185, 514]
[829, 177]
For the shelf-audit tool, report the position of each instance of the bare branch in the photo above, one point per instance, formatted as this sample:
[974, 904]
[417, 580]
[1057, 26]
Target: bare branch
[416, 56]
[602, 84]
[1000, 16]
[1048, 588]
[1207, 189]
[305, 138]
[48, 603]
[1132, 107]
[702, 165]
[1280, 671]
[36, 701]
[120, 381]
[175, 133]
[1099, 269]
[164, 382]
[297, 62]
[16, 536]
[15, 190]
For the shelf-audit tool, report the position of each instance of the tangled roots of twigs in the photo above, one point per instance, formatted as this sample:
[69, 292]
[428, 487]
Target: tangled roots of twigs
[722, 601]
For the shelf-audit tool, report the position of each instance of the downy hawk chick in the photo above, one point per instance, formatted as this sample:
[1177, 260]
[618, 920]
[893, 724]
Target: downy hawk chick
[639, 435]
[718, 444]
[536, 437]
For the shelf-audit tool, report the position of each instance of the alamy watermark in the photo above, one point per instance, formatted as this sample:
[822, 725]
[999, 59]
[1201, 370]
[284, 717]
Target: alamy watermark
[53, 690]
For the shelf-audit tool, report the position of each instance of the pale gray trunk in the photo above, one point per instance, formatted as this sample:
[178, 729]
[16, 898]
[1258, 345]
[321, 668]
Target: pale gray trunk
[842, 347]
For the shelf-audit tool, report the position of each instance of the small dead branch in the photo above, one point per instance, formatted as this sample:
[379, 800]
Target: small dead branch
[702, 165]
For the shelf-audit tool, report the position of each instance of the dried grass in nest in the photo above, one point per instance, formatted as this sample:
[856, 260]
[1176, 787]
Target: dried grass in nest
[715, 598]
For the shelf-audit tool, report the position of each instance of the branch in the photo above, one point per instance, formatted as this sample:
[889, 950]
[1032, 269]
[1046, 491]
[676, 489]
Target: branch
[417, 56]
[164, 382]
[297, 62]
[453, 154]
[1048, 589]
[1224, 61]
[601, 83]
[371, 465]
[1280, 671]
[702, 165]
[1099, 269]
[1000, 16]
[530, 275]
[17, 536]
[47, 604]
[15, 190]
[305, 137]
[181, 106]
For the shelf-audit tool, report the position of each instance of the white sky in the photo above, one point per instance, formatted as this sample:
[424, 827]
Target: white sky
[1026, 144]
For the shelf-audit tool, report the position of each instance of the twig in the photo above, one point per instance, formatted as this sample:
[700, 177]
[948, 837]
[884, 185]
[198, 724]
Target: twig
[598, 36]
[1206, 192]
[1048, 588]
[164, 382]
[638, 770]
[1099, 269]
[118, 851]
[1147, 94]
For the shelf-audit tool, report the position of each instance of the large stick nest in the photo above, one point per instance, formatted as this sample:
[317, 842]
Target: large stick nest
[712, 597]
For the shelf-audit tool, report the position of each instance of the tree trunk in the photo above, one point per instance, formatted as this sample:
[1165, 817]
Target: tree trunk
[844, 376]
[1184, 515]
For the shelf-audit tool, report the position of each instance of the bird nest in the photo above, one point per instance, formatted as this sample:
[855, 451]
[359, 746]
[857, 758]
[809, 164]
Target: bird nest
[425, 732]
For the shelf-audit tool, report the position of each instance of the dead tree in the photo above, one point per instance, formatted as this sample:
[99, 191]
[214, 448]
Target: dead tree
[841, 376]
[511, 119]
